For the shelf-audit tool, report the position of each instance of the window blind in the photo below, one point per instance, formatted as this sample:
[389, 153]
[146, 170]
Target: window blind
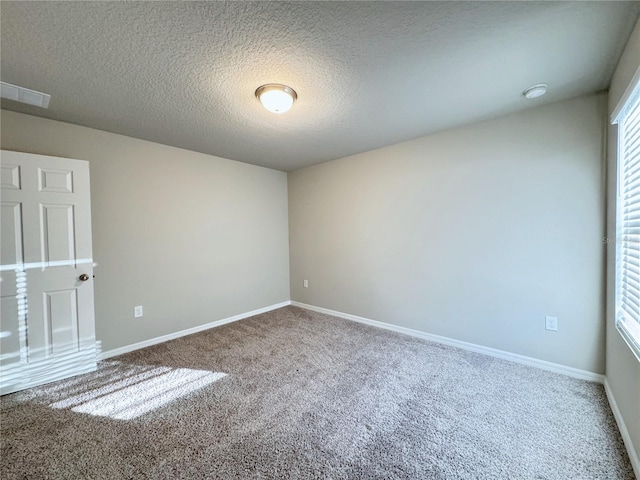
[628, 265]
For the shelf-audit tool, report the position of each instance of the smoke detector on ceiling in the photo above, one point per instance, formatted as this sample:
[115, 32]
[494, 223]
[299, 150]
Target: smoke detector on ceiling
[24, 95]
[535, 91]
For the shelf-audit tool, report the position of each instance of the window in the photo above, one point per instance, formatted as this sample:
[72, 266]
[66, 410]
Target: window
[628, 219]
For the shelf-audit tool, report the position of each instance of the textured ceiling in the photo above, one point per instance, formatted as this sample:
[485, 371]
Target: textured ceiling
[367, 74]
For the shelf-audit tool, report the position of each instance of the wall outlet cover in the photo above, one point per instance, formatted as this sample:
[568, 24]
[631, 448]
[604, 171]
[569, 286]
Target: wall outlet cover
[551, 323]
[137, 311]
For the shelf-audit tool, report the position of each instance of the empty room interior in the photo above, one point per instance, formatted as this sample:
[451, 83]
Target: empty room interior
[342, 240]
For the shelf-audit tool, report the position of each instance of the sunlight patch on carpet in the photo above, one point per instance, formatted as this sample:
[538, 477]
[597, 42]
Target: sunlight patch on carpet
[139, 394]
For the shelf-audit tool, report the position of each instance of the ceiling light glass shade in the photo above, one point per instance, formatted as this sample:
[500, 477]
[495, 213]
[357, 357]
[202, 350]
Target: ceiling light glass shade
[276, 98]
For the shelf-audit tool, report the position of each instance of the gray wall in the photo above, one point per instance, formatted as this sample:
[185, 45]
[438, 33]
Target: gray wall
[475, 233]
[623, 370]
[191, 237]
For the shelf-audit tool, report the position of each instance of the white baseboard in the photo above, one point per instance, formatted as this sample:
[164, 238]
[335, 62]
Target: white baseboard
[493, 352]
[626, 438]
[171, 336]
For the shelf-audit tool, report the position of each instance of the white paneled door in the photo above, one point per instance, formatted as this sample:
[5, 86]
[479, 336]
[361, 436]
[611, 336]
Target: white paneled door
[47, 320]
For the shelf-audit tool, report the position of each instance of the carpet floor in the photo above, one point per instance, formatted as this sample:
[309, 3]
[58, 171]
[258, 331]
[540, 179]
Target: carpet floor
[297, 394]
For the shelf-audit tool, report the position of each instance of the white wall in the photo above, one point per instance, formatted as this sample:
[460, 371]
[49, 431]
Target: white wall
[191, 237]
[475, 233]
[623, 370]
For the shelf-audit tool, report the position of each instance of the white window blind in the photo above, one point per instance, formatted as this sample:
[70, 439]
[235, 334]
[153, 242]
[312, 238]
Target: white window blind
[628, 224]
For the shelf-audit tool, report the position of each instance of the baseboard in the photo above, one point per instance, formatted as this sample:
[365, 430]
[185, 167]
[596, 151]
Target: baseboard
[493, 352]
[171, 336]
[626, 438]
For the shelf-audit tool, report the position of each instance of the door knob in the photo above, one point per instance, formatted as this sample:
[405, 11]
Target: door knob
[84, 277]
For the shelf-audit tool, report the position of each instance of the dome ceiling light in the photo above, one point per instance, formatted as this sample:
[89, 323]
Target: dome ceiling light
[276, 98]
[535, 91]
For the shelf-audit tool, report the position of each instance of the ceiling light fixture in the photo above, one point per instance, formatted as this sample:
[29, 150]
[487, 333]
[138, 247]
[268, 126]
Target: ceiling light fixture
[276, 98]
[535, 91]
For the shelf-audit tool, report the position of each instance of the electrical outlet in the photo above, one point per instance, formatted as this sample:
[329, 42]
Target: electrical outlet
[137, 311]
[551, 323]
[305, 283]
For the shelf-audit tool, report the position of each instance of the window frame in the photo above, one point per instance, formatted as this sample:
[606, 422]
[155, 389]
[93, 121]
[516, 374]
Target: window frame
[627, 327]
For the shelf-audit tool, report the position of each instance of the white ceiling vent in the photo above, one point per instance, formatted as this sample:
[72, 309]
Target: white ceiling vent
[24, 95]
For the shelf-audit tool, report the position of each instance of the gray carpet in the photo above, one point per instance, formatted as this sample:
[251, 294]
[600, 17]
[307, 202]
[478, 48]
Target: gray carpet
[297, 394]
